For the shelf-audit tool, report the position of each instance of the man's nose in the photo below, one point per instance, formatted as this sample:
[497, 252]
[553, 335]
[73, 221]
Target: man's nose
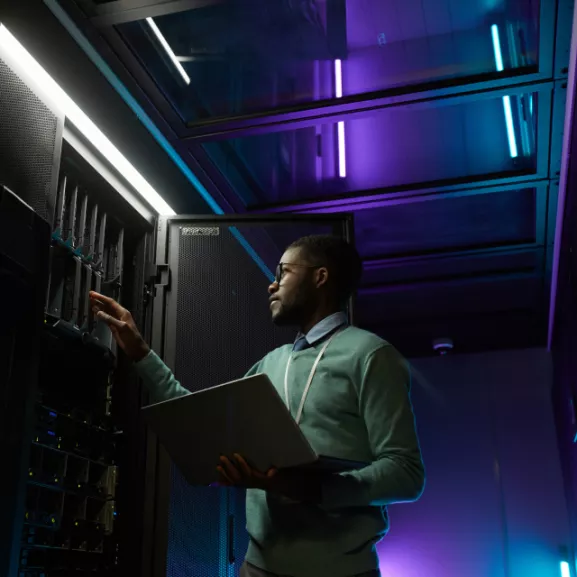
[273, 288]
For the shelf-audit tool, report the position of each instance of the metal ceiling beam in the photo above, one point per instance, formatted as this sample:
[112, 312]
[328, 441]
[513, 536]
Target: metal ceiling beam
[370, 200]
[563, 181]
[428, 284]
[557, 39]
[122, 11]
[362, 106]
[394, 262]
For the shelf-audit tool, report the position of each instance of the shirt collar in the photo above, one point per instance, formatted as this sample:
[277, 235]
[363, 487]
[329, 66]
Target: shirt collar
[324, 328]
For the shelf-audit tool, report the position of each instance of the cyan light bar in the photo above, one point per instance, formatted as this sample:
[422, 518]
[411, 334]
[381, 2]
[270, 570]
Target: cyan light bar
[513, 151]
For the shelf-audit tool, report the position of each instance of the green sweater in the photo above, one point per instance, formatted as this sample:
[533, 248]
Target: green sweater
[358, 408]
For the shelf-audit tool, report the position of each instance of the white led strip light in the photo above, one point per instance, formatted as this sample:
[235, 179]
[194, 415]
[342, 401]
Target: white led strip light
[168, 49]
[82, 122]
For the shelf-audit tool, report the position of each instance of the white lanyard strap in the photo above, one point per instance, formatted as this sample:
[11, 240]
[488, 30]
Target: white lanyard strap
[309, 382]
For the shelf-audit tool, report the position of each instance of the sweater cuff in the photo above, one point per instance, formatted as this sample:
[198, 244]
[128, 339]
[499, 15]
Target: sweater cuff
[147, 363]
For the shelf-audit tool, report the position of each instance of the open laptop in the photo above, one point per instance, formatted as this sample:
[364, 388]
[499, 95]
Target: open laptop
[247, 417]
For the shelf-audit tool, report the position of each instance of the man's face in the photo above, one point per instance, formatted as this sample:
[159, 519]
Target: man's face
[295, 295]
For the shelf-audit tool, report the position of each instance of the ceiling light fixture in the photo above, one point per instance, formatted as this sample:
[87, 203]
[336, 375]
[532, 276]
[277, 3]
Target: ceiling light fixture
[341, 123]
[168, 49]
[82, 122]
[506, 99]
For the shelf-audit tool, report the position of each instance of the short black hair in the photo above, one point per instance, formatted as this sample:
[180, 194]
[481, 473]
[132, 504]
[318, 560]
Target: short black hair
[339, 256]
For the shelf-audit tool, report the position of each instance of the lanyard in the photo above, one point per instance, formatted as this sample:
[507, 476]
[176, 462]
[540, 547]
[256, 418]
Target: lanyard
[309, 382]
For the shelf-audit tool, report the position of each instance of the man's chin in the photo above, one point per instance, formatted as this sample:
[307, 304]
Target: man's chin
[281, 320]
[278, 320]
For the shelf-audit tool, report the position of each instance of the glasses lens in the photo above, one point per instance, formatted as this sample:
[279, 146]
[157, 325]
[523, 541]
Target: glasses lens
[278, 273]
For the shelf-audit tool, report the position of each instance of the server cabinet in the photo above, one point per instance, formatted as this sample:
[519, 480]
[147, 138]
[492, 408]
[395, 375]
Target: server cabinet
[211, 324]
[70, 430]
[23, 282]
[31, 129]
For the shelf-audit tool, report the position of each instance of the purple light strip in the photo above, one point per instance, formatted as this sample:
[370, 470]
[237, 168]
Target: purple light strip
[565, 159]
[341, 123]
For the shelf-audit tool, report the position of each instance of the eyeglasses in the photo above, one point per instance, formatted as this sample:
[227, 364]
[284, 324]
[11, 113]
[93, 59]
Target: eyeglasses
[279, 273]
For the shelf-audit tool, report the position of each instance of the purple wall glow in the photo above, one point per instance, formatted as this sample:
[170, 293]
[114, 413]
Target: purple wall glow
[494, 503]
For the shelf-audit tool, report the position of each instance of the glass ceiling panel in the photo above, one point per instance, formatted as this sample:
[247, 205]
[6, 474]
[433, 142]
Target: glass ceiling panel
[389, 149]
[446, 224]
[234, 57]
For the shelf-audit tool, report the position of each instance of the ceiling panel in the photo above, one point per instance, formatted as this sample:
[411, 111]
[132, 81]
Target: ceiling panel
[414, 302]
[394, 147]
[243, 56]
[451, 266]
[465, 222]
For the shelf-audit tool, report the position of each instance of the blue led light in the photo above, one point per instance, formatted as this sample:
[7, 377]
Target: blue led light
[510, 127]
[52, 414]
[51, 433]
[565, 570]
[260, 263]
[497, 48]
[506, 99]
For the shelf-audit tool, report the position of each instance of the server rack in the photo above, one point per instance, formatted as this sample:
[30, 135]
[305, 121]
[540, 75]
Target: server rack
[84, 435]
[23, 281]
[70, 432]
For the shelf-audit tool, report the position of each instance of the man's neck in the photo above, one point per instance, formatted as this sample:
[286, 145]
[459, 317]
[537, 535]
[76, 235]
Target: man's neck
[316, 318]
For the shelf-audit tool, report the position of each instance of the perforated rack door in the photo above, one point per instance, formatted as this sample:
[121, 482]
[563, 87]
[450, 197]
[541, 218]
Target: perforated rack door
[216, 325]
[30, 143]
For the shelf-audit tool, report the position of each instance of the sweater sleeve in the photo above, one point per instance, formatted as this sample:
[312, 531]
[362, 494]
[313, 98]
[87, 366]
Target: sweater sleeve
[160, 381]
[397, 473]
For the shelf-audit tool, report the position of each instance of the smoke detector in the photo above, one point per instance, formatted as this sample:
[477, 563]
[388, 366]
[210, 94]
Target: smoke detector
[443, 346]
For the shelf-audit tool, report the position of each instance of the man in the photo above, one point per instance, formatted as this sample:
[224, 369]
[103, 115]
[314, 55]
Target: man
[348, 390]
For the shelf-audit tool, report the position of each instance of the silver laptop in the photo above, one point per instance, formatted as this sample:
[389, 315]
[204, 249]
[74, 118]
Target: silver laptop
[247, 417]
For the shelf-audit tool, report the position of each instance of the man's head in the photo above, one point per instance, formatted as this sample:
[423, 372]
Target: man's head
[317, 274]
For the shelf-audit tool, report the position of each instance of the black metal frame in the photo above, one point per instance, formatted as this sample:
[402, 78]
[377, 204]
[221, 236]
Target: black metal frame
[158, 464]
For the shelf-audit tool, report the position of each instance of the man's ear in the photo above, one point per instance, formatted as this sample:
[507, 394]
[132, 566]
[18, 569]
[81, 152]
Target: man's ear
[322, 276]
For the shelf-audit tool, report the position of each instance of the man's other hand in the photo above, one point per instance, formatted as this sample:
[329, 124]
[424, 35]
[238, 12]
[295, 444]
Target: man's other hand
[236, 472]
[296, 485]
[121, 325]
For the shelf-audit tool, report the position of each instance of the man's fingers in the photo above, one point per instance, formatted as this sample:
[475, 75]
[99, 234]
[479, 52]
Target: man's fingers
[100, 297]
[244, 467]
[222, 473]
[231, 471]
[110, 320]
[105, 303]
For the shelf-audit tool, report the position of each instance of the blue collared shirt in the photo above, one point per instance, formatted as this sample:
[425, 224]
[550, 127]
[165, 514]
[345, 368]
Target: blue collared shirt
[324, 328]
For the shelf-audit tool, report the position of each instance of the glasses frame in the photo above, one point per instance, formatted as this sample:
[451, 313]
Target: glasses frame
[279, 269]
